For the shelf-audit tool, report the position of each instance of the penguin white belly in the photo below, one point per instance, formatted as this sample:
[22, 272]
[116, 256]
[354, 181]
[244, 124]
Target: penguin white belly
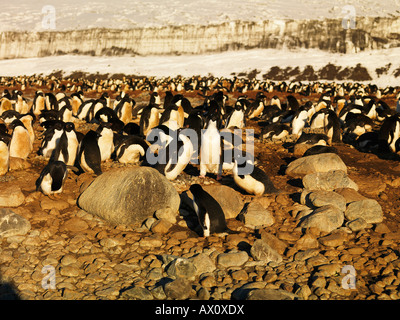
[396, 135]
[4, 158]
[20, 145]
[210, 152]
[236, 120]
[250, 185]
[318, 122]
[46, 184]
[84, 165]
[106, 146]
[51, 145]
[299, 122]
[131, 154]
[72, 148]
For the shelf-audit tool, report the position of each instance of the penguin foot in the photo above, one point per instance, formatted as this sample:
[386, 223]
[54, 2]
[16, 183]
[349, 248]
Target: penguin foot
[219, 177]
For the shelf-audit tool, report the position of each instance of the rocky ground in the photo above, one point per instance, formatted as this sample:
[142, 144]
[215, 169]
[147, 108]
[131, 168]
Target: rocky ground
[165, 259]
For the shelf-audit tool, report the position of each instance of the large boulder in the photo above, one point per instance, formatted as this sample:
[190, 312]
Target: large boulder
[129, 195]
[369, 210]
[323, 162]
[326, 219]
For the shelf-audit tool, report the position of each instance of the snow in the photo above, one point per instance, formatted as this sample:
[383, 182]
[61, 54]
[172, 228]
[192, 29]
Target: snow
[219, 64]
[74, 14]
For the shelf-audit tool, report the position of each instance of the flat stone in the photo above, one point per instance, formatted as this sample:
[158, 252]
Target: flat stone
[232, 259]
[12, 224]
[350, 195]
[334, 239]
[322, 198]
[315, 163]
[274, 242]
[203, 263]
[74, 224]
[48, 204]
[270, 294]
[262, 251]
[325, 219]
[357, 224]
[137, 293]
[179, 289]
[328, 181]
[255, 216]
[11, 196]
[181, 268]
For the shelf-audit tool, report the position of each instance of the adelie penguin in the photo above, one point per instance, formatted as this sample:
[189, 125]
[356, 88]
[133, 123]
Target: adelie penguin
[20, 145]
[5, 139]
[52, 178]
[252, 179]
[89, 156]
[131, 149]
[209, 212]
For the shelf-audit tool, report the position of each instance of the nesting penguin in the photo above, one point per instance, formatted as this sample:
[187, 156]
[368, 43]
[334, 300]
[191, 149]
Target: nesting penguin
[250, 178]
[52, 178]
[131, 149]
[209, 212]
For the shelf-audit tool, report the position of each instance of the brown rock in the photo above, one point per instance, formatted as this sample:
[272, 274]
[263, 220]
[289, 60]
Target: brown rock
[161, 226]
[350, 195]
[334, 239]
[11, 196]
[74, 224]
[48, 204]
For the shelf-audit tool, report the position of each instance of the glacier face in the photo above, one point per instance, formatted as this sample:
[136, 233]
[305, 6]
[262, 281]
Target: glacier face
[326, 34]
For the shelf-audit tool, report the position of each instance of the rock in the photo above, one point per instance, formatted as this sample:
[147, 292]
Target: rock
[316, 163]
[230, 201]
[12, 224]
[137, 293]
[270, 294]
[74, 224]
[70, 271]
[129, 195]
[350, 195]
[167, 214]
[255, 216]
[322, 198]
[49, 204]
[262, 251]
[357, 224]
[369, 209]
[274, 242]
[203, 263]
[382, 228]
[11, 196]
[308, 241]
[303, 292]
[334, 239]
[179, 289]
[300, 148]
[181, 268]
[232, 259]
[161, 226]
[328, 270]
[326, 219]
[328, 181]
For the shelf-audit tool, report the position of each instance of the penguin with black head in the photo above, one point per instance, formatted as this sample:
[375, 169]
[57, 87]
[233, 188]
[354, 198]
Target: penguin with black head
[251, 178]
[52, 178]
[209, 212]
[89, 156]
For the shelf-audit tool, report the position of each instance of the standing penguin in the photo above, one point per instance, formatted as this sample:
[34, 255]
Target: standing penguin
[209, 212]
[52, 178]
[105, 141]
[89, 156]
[20, 145]
[4, 153]
[51, 138]
[149, 119]
[124, 109]
[38, 103]
[236, 119]
[210, 147]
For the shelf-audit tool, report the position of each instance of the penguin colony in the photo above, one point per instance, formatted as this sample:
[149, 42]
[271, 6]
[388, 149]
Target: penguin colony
[155, 134]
